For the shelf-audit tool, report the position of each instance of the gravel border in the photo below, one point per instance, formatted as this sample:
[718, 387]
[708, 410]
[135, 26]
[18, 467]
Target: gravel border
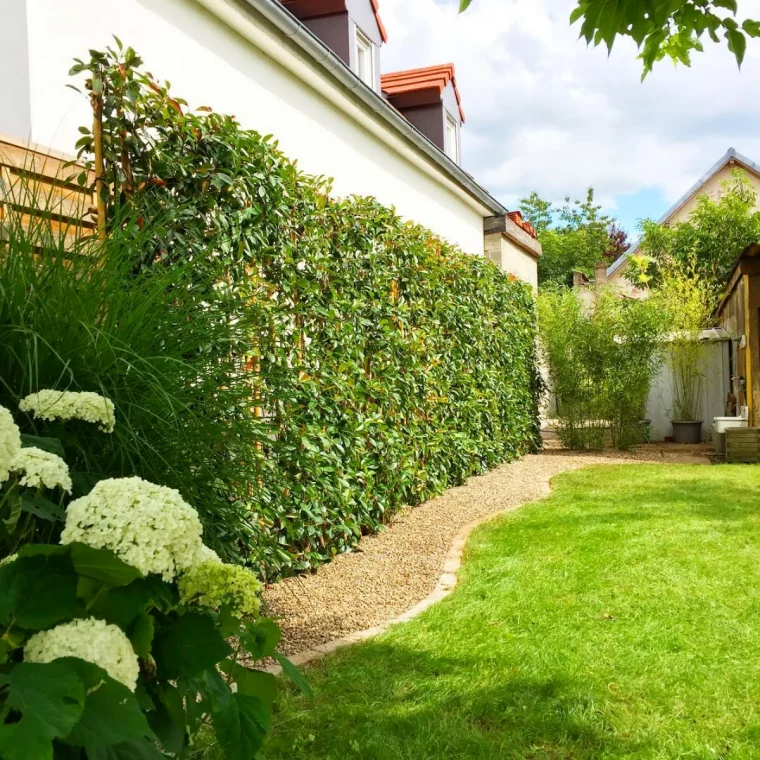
[396, 574]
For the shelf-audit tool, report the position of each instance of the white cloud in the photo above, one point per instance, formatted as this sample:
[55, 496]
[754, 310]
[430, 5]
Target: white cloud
[545, 112]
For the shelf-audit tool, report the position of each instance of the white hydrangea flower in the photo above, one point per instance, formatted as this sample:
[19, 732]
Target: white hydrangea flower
[71, 405]
[150, 527]
[91, 640]
[41, 469]
[10, 442]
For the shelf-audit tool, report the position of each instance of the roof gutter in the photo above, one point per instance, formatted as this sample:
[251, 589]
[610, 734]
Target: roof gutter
[237, 15]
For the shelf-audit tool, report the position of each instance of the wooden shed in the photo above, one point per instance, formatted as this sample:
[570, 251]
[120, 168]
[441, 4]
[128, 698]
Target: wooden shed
[739, 315]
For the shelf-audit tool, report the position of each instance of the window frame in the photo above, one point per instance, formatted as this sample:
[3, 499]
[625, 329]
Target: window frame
[451, 138]
[364, 46]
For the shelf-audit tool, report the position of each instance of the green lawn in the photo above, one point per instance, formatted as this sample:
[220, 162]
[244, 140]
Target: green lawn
[619, 617]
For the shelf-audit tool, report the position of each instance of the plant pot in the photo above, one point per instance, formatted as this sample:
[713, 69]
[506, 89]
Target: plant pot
[687, 431]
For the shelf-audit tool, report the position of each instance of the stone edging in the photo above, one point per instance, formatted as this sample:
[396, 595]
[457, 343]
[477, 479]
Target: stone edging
[446, 584]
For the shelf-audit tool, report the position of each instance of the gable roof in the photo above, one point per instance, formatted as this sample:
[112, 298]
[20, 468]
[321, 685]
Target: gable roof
[418, 80]
[731, 156]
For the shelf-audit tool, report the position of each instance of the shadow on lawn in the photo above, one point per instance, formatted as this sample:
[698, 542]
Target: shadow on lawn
[384, 701]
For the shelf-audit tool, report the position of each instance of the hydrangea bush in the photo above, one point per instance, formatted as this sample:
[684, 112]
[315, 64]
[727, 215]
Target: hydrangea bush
[129, 636]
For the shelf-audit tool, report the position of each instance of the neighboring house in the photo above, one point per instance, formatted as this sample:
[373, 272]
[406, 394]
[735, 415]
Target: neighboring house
[711, 184]
[306, 71]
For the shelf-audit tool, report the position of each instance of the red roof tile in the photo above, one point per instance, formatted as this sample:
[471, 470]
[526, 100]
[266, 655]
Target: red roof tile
[516, 217]
[430, 77]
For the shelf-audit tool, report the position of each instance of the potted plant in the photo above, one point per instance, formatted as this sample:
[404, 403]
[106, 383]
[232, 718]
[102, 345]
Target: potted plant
[689, 304]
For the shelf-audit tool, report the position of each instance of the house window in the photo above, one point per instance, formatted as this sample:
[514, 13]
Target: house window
[451, 139]
[365, 59]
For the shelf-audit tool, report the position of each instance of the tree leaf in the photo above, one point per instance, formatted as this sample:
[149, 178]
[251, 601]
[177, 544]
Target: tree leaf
[737, 44]
[752, 28]
[50, 698]
[729, 4]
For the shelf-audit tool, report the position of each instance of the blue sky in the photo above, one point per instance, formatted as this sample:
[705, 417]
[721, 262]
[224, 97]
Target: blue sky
[546, 113]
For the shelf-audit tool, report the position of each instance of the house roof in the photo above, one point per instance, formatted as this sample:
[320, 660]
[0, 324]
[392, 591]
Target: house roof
[419, 80]
[731, 156]
[299, 35]
[310, 8]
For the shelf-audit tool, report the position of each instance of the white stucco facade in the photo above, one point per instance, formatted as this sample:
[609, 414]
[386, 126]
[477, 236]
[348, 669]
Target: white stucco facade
[255, 74]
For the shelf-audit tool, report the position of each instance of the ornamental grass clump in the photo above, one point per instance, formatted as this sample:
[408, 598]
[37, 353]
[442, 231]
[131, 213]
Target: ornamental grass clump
[117, 639]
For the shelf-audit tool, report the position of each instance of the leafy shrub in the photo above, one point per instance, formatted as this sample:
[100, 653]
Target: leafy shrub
[706, 245]
[116, 641]
[601, 359]
[378, 364]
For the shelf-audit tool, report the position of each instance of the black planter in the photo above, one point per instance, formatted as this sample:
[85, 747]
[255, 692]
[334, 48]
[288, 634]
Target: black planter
[687, 432]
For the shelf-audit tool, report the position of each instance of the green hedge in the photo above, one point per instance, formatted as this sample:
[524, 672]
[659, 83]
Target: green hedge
[417, 372]
[388, 364]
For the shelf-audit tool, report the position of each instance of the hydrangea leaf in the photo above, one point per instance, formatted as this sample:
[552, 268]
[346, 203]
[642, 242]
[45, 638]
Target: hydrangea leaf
[240, 722]
[50, 699]
[43, 508]
[39, 591]
[53, 445]
[141, 749]
[167, 720]
[294, 674]
[188, 646]
[261, 638]
[111, 713]
[252, 683]
[103, 565]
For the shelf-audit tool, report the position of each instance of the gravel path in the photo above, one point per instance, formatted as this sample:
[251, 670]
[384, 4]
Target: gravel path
[393, 570]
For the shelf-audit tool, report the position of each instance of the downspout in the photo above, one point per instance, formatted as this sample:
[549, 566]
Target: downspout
[234, 15]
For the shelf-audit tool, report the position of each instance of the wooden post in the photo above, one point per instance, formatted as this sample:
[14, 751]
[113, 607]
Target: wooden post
[101, 189]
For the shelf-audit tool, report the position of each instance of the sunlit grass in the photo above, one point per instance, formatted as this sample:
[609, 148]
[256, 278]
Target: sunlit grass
[620, 617]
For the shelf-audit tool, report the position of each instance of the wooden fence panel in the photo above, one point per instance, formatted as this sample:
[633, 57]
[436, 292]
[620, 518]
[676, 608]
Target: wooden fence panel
[39, 183]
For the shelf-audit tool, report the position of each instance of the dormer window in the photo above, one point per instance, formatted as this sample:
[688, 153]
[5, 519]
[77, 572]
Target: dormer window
[365, 58]
[451, 139]
[429, 98]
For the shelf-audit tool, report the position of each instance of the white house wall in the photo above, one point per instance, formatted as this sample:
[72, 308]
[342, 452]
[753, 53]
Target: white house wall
[518, 262]
[210, 64]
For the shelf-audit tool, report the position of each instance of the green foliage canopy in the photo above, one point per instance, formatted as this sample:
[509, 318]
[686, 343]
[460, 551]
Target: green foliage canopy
[707, 244]
[674, 30]
[573, 238]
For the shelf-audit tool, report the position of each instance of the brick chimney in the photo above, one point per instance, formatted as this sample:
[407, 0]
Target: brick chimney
[600, 273]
